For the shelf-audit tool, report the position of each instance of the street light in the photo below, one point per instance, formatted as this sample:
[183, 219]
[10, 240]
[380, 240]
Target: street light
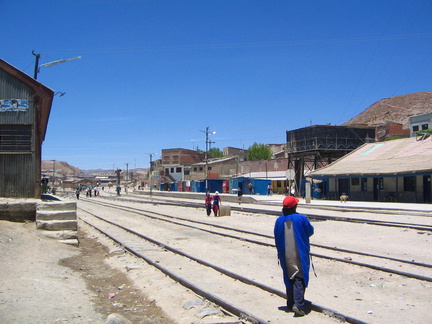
[207, 132]
[37, 66]
[151, 172]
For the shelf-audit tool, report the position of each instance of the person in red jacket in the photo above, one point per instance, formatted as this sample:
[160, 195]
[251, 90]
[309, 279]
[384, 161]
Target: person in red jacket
[208, 203]
[216, 203]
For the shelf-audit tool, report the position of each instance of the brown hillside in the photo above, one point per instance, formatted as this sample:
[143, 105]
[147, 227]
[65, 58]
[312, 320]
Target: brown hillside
[395, 109]
[62, 167]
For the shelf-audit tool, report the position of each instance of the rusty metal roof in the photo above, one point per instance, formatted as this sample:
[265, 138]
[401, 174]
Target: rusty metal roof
[398, 157]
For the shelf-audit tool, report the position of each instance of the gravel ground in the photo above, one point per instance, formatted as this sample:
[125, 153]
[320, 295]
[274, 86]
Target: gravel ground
[44, 281]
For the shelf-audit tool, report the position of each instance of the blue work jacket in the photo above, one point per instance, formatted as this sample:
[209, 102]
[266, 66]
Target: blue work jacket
[302, 231]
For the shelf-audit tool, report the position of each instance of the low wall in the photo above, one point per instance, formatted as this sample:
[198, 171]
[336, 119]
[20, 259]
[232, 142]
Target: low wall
[18, 210]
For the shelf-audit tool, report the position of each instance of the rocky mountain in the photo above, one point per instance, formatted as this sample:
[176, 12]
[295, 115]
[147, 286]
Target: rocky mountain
[61, 167]
[64, 168]
[396, 109]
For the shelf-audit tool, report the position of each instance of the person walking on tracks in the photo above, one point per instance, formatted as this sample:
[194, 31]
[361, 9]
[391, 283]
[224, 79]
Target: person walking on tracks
[216, 203]
[208, 203]
[292, 232]
[239, 194]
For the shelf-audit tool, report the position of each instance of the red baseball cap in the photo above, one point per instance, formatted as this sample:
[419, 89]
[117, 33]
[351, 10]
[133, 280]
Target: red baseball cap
[290, 202]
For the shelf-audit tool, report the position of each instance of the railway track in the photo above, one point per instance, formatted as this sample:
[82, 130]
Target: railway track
[233, 292]
[199, 229]
[420, 227]
[358, 258]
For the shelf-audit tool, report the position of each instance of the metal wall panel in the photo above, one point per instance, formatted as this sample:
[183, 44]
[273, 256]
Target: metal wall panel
[17, 176]
[10, 88]
[17, 169]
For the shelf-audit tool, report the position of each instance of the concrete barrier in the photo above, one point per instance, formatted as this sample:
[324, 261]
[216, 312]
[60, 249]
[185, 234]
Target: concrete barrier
[58, 219]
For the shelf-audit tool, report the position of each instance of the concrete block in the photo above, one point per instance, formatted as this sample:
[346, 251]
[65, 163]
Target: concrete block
[55, 215]
[225, 211]
[53, 225]
[57, 205]
[61, 235]
[73, 242]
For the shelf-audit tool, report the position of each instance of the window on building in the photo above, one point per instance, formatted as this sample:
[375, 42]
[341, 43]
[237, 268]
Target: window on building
[201, 168]
[209, 168]
[410, 183]
[415, 128]
[355, 181]
[195, 169]
[172, 170]
[178, 170]
[15, 138]
[425, 126]
[186, 171]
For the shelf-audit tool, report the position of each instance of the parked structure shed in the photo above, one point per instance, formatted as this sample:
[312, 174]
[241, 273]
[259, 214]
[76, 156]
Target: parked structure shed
[311, 148]
[25, 106]
[398, 170]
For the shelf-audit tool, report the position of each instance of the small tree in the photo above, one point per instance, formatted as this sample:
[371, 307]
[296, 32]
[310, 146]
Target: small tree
[259, 152]
[215, 152]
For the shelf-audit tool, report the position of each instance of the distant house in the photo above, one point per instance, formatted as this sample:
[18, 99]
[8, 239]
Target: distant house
[177, 162]
[398, 170]
[25, 106]
[217, 168]
[420, 123]
[233, 151]
[391, 130]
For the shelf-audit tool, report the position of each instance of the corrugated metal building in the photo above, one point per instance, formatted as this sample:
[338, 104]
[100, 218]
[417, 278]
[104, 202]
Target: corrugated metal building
[398, 170]
[25, 105]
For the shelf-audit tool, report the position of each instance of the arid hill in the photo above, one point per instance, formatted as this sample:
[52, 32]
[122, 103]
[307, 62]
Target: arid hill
[66, 169]
[395, 109]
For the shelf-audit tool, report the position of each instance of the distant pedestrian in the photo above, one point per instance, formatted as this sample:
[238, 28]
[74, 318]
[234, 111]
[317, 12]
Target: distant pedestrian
[251, 189]
[77, 193]
[208, 203]
[239, 194]
[292, 232]
[44, 182]
[269, 190]
[216, 203]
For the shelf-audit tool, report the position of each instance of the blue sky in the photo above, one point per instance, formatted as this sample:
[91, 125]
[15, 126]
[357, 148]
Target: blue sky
[155, 73]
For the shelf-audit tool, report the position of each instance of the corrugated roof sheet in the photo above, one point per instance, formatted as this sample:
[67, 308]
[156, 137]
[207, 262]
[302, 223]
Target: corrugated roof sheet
[403, 156]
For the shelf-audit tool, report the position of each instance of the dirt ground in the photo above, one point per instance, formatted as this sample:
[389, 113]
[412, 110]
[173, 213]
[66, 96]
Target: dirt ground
[88, 283]
[31, 268]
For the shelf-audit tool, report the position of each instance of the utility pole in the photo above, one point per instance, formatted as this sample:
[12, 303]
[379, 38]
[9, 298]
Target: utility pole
[37, 66]
[127, 178]
[118, 188]
[151, 172]
[207, 132]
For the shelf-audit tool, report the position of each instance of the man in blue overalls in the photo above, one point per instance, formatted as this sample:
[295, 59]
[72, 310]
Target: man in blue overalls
[292, 232]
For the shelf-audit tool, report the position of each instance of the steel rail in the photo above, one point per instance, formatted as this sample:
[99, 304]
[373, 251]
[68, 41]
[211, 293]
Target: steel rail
[402, 273]
[229, 307]
[420, 227]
